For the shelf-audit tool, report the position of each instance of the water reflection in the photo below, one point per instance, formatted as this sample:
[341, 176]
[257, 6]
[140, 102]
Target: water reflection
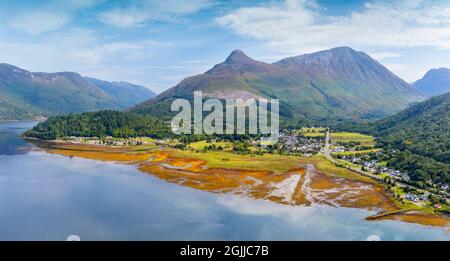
[10, 141]
[48, 197]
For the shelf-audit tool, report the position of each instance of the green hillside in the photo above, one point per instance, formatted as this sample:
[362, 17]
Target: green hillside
[99, 124]
[335, 84]
[421, 136]
[26, 95]
[123, 93]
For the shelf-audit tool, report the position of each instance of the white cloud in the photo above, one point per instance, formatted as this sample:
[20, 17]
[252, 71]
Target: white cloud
[140, 12]
[119, 50]
[397, 67]
[49, 17]
[385, 55]
[74, 4]
[39, 22]
[177, 7]
[124, 18]
[296, 26]
[195, 61]
[56, 50]
[80, 50]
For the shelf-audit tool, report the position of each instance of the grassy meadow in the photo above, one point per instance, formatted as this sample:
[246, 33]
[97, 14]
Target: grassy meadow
[366, 140]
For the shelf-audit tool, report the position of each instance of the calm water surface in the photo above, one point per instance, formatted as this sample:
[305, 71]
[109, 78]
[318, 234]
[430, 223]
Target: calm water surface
[48, 197]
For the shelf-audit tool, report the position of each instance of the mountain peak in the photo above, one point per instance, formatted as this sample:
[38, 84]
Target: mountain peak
[238, 56]
[336, 83]
[8, 71]
[11, 67]
[438, 70]
[325, 57]
[341, 49]
[239, 62]
[436, 73]
[434, 82]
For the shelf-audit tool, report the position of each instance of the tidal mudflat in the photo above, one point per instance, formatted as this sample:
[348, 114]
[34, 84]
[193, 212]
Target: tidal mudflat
[282, 179]
[49, 196]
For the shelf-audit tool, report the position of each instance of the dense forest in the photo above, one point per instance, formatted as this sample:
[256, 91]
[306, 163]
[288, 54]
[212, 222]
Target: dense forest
[421, 137]
[421, 169]
[116, 124]
[100, 124]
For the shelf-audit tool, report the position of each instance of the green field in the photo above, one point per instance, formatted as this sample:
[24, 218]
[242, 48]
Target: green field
[352, 136]
[357, 152]
[312, 131]
[221, 159]
[199, 145]
[314, 134]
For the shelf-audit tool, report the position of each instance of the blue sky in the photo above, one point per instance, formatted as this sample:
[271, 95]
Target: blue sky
[158, 43]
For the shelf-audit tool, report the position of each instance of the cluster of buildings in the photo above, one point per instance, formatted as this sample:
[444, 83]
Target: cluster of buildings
[295, 143]
[395, 174]
[372, 166]
[416, 198]
[108, 141]
[369, 164]
[338, 149]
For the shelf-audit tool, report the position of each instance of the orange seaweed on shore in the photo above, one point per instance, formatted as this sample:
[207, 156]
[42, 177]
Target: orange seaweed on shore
[303, 185]
[418, 218]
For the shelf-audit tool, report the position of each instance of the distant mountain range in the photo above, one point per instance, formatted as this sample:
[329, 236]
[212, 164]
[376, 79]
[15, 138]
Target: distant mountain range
[434, 82]
[124, 93]
[339, 83]
[26, 95]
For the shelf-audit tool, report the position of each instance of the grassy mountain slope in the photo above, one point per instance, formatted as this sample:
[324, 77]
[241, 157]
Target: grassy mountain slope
[423, 128]
[124, 94]
[339, 83]
[24, 95]
[12, 108]
[421, 134]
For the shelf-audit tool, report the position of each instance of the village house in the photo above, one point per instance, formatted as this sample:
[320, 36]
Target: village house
[338, 149]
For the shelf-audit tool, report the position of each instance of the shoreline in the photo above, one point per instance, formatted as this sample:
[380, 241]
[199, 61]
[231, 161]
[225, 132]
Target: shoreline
[191, 169]
[37, 119]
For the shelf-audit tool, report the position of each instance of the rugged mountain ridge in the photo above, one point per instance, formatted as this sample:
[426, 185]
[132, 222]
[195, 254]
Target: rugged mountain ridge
[337, 83]
[25, 95]
[125, 94]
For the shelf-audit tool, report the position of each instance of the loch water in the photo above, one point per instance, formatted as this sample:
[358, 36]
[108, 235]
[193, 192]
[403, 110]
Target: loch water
[49, 197]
